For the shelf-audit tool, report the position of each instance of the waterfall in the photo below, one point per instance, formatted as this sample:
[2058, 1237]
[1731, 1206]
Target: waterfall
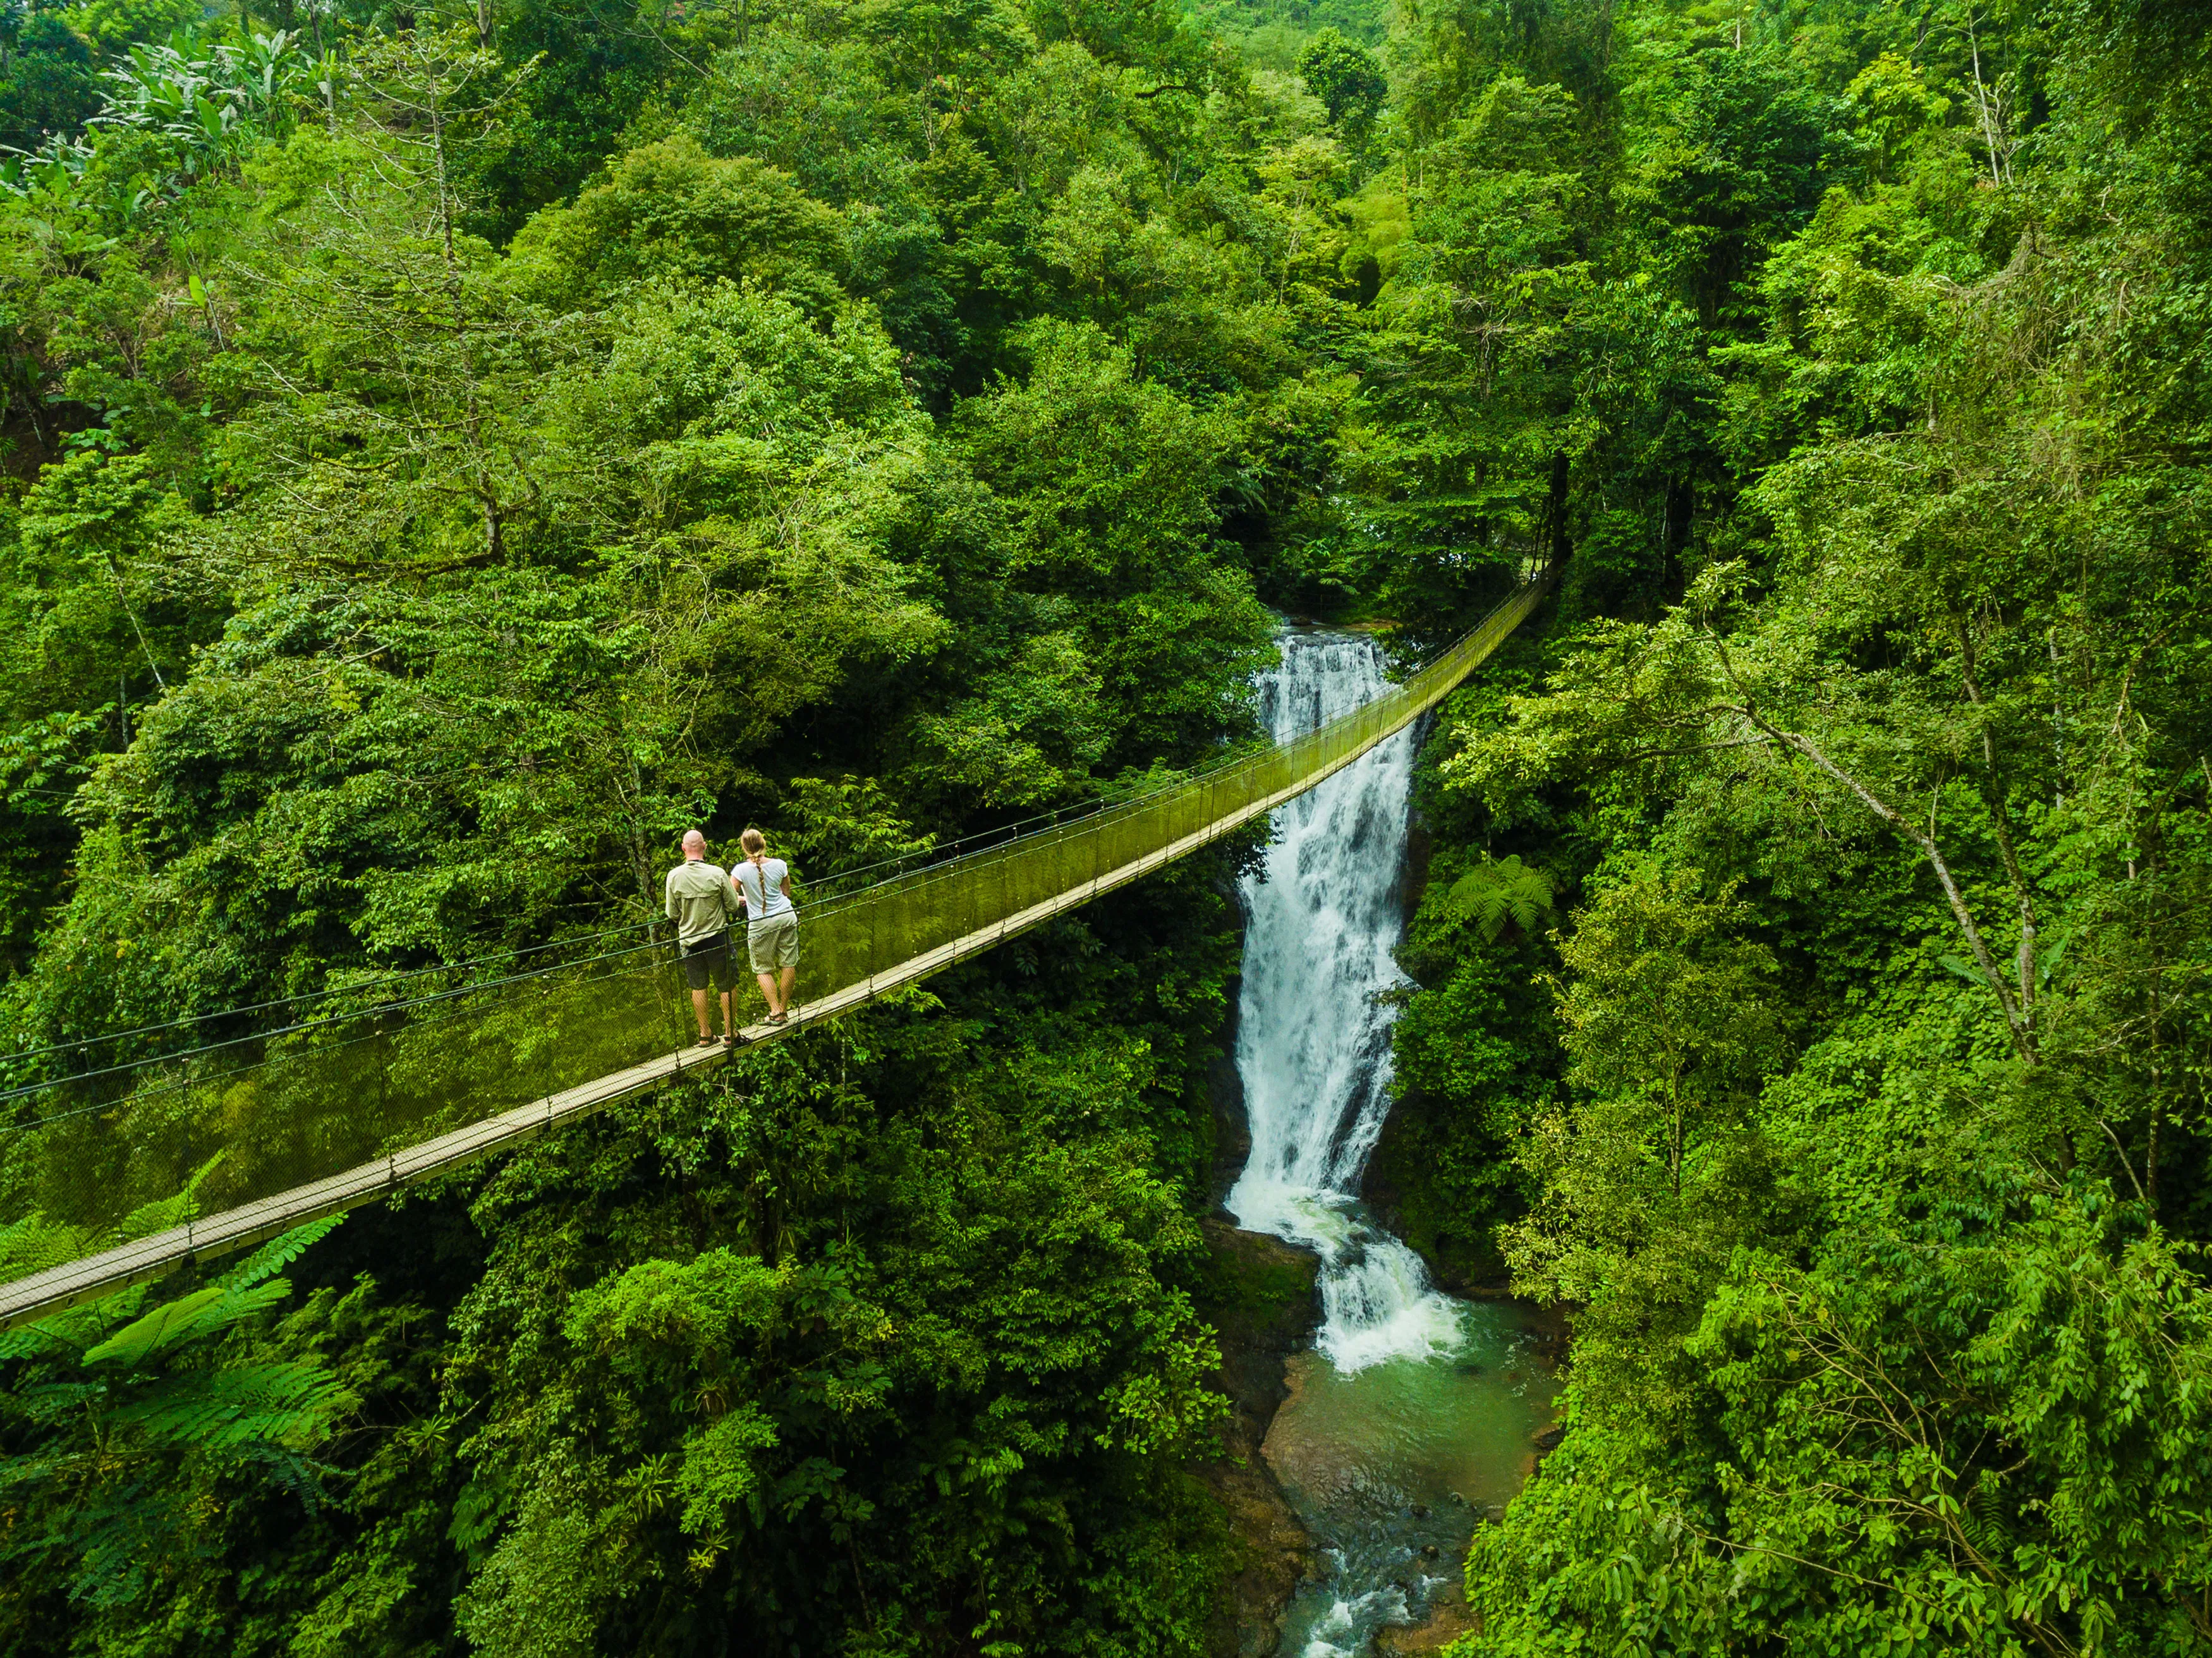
[1313, 1044]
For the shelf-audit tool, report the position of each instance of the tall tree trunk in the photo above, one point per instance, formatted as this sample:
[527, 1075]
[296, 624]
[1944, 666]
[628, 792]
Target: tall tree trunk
[1556, 510]
[1681, 506]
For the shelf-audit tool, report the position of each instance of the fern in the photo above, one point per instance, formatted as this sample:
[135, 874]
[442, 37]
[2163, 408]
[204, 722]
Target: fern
[281, 1252]
[1983, 1515]
[192, 1318]
[118, 1412]
[237, 1295]
[34, 1243]
[291, 1404]
[152, 1217]
[1490, 894]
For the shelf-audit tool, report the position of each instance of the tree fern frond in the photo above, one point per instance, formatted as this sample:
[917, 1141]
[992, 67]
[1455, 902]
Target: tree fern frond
[291, 1403]
[1984, 1513]
[119, 1537]
[170, 1322]
[67, 1335]
[1491, 894]
[281, 1252]
[189, 1318]
[36, 1469]
[291, 1471]
[28, 1340]
[34, 1243]
[50, 1402]
[159, 1216]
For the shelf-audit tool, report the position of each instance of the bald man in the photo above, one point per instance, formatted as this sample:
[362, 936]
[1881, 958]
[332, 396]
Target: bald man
[703, 904]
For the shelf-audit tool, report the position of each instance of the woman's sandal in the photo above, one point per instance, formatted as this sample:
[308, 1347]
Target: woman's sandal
[778, 1018]
[731, 1039]
[707, 1041]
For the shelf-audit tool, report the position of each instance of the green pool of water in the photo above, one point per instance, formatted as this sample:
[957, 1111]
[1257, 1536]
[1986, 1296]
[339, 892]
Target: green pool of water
[1391, 1466]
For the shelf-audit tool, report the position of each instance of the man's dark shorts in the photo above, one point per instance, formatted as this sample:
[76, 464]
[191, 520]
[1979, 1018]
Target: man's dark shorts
[711, 958]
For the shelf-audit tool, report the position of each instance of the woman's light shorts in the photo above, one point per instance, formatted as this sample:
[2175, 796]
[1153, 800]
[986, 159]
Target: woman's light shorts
[773, 944]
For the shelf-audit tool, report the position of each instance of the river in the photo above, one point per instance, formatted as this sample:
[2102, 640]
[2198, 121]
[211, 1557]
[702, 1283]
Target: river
[1414, 1410]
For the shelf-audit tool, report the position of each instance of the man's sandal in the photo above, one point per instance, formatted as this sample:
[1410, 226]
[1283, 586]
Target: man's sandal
[705, 1041]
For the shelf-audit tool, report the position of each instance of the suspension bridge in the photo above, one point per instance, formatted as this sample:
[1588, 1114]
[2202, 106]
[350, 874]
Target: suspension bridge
[126, 1167]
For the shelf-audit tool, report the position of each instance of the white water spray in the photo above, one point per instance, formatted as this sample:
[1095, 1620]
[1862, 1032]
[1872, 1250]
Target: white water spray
[1313, 1044]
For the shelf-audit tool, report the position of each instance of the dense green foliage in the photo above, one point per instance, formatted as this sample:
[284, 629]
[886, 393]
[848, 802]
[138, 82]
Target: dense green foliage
[448, 461]
[448, 454]
[1863, 1123]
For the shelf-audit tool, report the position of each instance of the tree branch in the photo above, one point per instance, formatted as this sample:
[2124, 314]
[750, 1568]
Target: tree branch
[2001, 821]
[2023, 1037]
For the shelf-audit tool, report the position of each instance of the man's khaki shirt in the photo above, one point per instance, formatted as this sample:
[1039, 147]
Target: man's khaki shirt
[700, 901]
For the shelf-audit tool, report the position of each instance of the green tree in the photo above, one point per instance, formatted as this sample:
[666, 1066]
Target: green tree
[1111, 486]
[1657, 1171]
[1347, 79]
[1471, 413]
[48, 86]
[1665, 1009]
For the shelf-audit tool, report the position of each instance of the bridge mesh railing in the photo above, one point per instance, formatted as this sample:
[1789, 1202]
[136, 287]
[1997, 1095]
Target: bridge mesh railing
[238, 1121]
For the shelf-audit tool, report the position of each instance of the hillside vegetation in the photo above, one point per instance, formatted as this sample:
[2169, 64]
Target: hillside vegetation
[450, 452]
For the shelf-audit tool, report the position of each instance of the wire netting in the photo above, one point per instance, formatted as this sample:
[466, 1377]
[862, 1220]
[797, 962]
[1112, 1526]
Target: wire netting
[237, 1120]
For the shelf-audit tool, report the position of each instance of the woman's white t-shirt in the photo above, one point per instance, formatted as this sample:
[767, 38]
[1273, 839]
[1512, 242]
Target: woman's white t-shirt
[764, 899]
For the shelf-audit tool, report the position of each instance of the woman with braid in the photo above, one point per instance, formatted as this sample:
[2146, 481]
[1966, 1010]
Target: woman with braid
[763, 886]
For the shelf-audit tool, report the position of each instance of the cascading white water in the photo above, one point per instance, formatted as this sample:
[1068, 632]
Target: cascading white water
[1313, 1042]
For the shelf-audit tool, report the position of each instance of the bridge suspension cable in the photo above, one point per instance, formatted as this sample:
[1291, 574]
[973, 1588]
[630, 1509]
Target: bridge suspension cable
[132, 1170]
[365, 993]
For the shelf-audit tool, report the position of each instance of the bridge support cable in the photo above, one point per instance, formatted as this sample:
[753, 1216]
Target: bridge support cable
[328, 1120]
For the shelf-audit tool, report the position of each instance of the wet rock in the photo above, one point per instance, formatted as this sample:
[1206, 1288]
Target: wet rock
[1458, 1502]
[1428, 1551]
[1549, 1439]
[1259, 1296]
[1470, 1367]
[1449, 1617]
[1421, 1511]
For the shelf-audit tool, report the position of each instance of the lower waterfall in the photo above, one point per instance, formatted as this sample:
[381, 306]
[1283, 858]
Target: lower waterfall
[1411, 1417]
[1313, 1042]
